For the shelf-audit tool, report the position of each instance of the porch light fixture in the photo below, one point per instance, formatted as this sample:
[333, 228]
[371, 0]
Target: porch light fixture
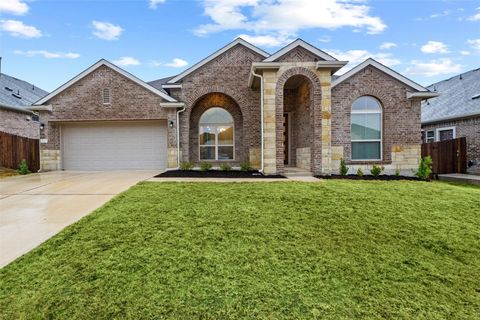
[42, 126]
[170, 124]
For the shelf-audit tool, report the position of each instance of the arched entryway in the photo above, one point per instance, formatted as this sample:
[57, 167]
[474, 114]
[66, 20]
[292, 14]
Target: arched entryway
[216, 130]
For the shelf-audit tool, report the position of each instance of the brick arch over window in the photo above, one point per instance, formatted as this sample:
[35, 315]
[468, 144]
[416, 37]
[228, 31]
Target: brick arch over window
[316, 98]
[208, 101]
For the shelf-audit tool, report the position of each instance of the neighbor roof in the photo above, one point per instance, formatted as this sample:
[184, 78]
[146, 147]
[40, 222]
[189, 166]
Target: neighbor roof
[460, 97]
[216, 54]
[300, 43]
[18, 93]
[158, 83]
[97, 65]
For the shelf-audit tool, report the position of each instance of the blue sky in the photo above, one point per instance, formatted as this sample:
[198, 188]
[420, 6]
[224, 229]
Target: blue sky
[49, 42]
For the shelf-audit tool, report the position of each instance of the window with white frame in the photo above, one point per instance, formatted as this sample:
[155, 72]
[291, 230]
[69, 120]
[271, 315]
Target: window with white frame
[445, 133]
[366, 129]
[216, 135]
[430, 136]
[106, 96]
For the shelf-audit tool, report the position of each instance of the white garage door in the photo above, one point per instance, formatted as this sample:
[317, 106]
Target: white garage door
[115, 145]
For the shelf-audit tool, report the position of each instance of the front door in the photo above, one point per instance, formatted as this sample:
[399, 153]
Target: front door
[286, 139]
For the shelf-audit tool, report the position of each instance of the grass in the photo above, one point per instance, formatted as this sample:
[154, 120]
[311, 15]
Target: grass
[330, 250]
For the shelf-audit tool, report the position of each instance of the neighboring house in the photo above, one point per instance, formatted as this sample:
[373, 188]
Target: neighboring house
[455, 114]
[15, 96]
[238, 104]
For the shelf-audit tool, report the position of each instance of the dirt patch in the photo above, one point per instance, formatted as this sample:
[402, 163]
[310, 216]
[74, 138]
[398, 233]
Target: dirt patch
[6, 172]
[234, 174]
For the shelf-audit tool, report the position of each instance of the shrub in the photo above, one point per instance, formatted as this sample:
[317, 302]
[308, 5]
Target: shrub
[205, 166]
[225, 167]
[186, 166]
[245, 166]
[343, 168]
[424, 168]
[360, 172]
[397, 172]
[23, 167]
[376, 170]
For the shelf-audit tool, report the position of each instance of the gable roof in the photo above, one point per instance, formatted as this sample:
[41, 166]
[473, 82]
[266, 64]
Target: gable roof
[94, 67]
[381, 67]
[206, 60]
[158, 84]
[460, 97]
[18, 93]
[303, 44]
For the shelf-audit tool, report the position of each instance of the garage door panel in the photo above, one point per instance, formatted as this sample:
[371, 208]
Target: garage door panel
[115, 146]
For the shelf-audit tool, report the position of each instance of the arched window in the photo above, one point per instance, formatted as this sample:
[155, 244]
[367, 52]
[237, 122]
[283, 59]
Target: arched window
[366, 130]
[216, 135]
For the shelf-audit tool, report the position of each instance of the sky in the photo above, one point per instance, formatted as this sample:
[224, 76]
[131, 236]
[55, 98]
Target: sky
[49, 42]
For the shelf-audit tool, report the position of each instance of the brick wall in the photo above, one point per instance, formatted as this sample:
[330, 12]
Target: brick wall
[401, 117]
[15, 123]
[469, 128]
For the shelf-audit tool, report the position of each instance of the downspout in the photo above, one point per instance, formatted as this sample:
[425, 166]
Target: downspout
[261, 116]
[178, 136]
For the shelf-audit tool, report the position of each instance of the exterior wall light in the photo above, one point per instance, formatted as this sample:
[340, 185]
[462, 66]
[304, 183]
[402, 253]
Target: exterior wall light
[170, 124]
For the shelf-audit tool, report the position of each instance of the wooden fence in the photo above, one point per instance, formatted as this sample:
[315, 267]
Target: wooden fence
[448, 156]
[15, 148]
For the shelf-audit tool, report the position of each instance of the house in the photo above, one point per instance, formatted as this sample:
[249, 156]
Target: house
[455, 114]
[15, 96]
[236, 105]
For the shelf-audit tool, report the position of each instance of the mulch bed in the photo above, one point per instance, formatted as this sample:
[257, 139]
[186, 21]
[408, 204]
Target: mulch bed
[368, 177]
[234, 174]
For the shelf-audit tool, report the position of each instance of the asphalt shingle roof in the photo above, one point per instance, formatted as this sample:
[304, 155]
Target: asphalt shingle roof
[456, 97]
[157, 84]
[18, 93]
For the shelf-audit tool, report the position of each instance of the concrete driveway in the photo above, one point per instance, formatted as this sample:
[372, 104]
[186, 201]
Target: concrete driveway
[35, 207]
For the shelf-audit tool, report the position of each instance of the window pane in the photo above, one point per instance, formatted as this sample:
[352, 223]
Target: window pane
[446, 135]
[225, 135]
[207, 153]
[366, 103]
[216, 115]
[207, 135]
[365, 150]
[366, 126]
[225, 153]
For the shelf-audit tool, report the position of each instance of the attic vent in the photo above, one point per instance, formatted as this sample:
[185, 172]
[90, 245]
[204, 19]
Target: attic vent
[17, 95]
[476, 96]
[8, 89]
[106, 96]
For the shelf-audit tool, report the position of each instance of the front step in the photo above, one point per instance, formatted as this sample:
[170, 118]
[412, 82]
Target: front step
[296, 172]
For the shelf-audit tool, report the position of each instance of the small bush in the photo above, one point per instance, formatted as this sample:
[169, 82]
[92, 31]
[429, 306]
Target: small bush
[424, 168]
[186, 166]
[397, 172]
[360, 172]
[343, 168]
[205, 166]
[23, 167]
[245, 166]
[376, 170]
[225, 167]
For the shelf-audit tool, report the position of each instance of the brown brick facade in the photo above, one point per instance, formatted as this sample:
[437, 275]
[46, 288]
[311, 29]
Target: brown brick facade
[16, 123]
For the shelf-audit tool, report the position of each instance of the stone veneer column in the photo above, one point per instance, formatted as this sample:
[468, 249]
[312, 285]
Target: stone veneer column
[172, 139]
[326, 108]
[269, 124]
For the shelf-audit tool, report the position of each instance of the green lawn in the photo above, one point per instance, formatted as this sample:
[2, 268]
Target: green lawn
[329, 250]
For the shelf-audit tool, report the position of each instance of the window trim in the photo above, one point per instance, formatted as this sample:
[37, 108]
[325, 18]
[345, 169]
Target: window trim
[216, 145]
[437, 132]
[369, 140]
[109, 96]
[426, 136]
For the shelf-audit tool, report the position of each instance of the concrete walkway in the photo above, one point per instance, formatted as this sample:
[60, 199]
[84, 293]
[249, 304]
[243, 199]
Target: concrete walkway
[35, 207]
[460, 177]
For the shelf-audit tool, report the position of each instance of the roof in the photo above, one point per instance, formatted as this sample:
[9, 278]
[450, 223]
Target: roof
[157, 84]
[457, 98]
[300, 43]
[381, 67]
[18, 93]
[238, 41]
[97, 65]
[15, 108]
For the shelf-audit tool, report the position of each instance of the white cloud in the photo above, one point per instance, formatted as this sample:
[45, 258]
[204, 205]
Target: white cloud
[153, 4]
[177, 63]
[387, 45]
[358, 56]
[465, 53]
[19, 29]
[324, 39]
[266, 40]
[433, 67]
[48, 54]
[475, 17]
[106, 30]
[435, 15]
[434, 47]
[283, 19]
[475, 44]
[17, 7]
[126, 61]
